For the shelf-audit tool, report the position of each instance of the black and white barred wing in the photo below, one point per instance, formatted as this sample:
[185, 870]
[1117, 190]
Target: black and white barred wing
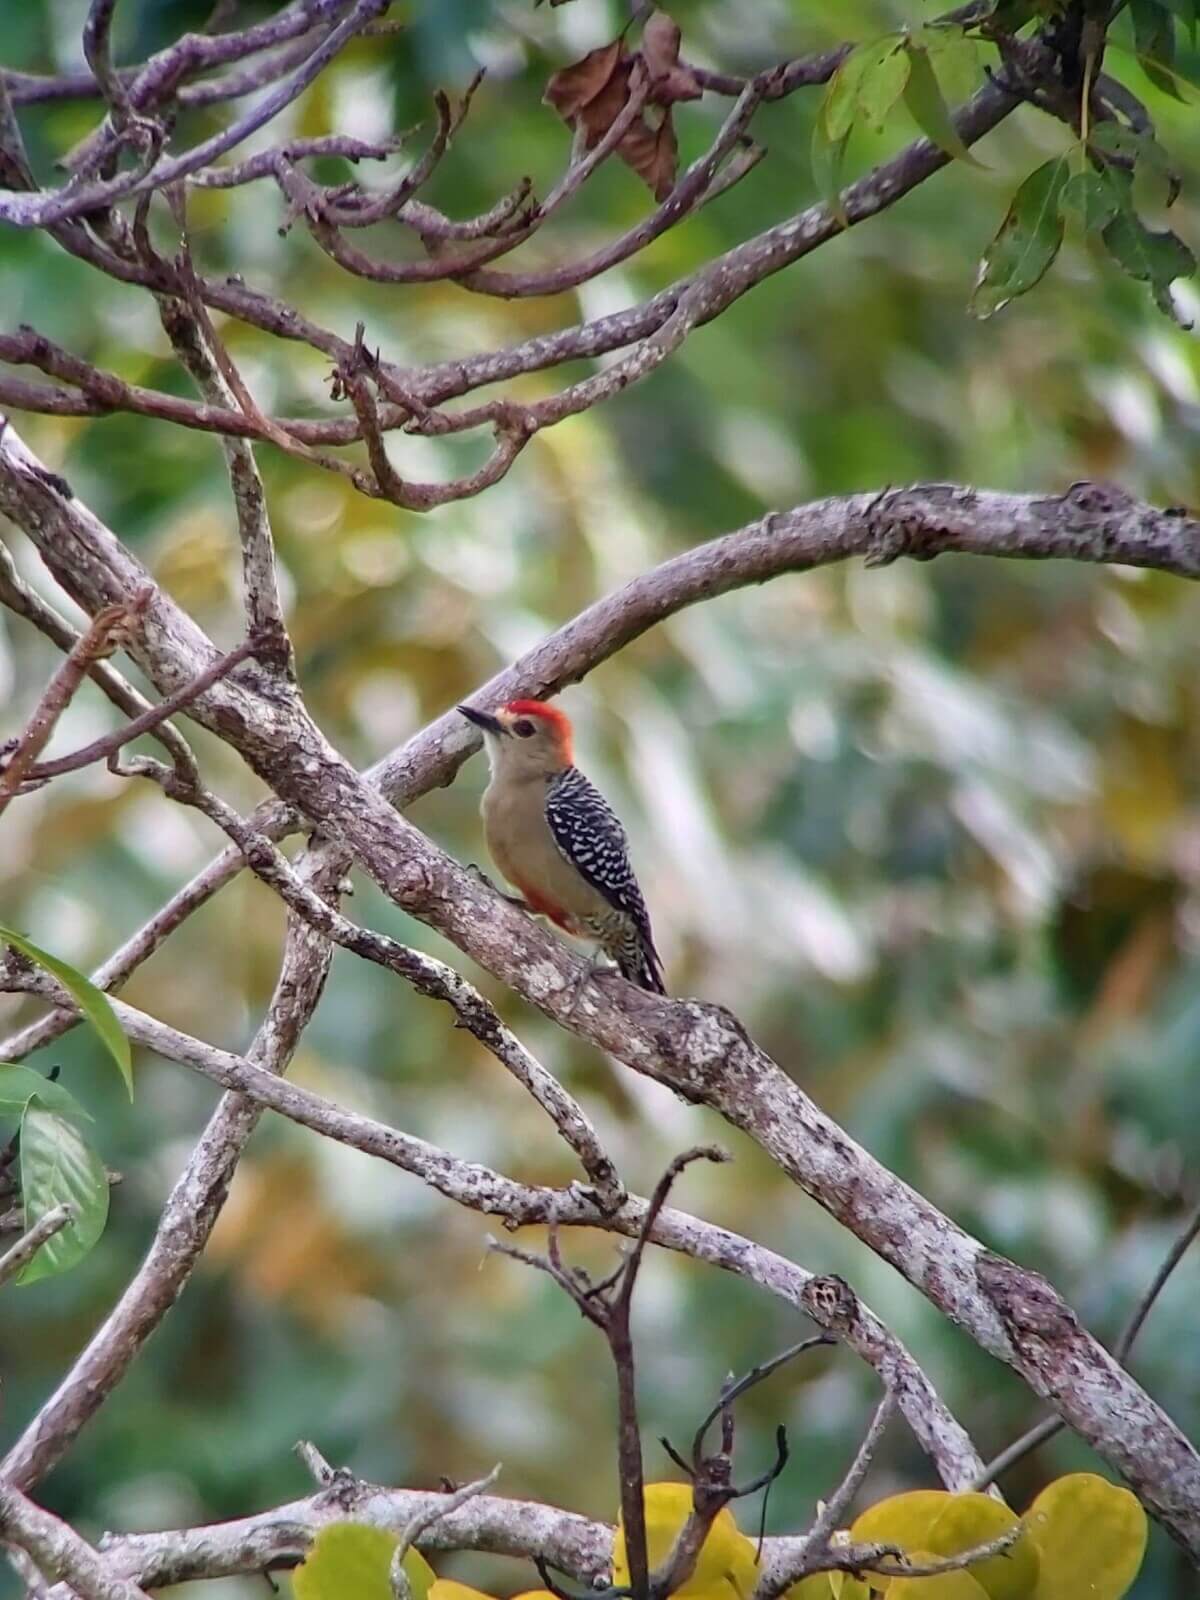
[590, 836]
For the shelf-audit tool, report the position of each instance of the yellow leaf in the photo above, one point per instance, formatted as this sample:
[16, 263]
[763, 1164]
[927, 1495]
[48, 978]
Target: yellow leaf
[1091, 1537]
[974, 1519]
[946, 1586]
[353, 1558]
[447, 1589]
[903, 1519]
[828, 1586]
[816, 1586]
[726, 1568]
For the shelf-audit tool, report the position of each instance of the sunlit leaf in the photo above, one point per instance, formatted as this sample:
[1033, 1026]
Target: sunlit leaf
[19, 1085]
[954, 56]
[968, 1520]
[841, 105]
[882, 87]
[92, 1002]
[59, 1166]
[903, 1519]
[1027, 241]
[1091, 1537]
[928, 108]
[816, 1586]
[946, 1586]
[829, 1586]
[354, 1559]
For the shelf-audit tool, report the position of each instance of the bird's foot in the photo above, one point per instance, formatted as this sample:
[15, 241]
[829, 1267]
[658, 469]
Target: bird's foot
[599, 965]
[517, 900]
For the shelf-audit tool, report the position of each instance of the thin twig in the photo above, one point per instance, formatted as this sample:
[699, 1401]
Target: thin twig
[735, 1389]
[424, 1520]
[25, 602]
[92, 646]
[832, 1513]
[891, 1562]
[28, 1245]
[110, 743]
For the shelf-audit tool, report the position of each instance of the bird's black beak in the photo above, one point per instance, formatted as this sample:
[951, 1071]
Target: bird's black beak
[484, 721]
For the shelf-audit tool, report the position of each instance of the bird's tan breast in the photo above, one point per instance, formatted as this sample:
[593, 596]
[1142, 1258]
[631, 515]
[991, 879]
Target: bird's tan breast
[521, 844]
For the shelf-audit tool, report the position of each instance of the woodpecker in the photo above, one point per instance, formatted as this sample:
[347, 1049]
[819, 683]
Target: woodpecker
[555, 837]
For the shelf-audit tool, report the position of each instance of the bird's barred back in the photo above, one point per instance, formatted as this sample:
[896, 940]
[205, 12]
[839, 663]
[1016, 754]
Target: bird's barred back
[590, 836]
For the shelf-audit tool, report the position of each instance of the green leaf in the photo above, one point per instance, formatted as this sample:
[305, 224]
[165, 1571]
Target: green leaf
[827, 157]
[59, 1166]
[1155, 179]
[842, 103]
[1151, 257]
[19, 1085]
[1154, 41]
[954, 57]
[1026, 243]
[92, 1002]
[1089, 200]
[883, 84]
[1010, 15]
[352, 1561]
[1188, 12]
[928, 109]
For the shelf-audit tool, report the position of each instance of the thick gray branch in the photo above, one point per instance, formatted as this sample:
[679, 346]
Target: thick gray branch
[58, 1550]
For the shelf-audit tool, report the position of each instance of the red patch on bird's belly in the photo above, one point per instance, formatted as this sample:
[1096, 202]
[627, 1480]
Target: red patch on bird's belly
[545, 908]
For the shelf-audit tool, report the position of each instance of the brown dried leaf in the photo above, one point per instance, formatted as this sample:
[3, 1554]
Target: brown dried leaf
[572, 88]
[598, 116]
[671, 79]
[653, 153]
[661, 38]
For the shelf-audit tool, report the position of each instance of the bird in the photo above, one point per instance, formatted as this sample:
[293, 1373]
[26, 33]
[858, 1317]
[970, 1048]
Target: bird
[556, 839]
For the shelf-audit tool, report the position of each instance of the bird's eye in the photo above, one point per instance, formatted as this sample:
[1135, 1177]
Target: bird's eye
[523, 728]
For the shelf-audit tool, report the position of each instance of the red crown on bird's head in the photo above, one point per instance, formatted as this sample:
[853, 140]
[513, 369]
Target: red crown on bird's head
[557, 721]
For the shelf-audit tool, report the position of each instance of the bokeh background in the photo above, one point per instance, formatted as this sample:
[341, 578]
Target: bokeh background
[934, 831]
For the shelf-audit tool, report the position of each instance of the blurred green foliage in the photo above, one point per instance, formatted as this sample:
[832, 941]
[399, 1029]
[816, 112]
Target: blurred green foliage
[934, 830]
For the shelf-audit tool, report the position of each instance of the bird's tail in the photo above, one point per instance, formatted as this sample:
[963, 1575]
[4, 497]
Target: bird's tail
[639, 963]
